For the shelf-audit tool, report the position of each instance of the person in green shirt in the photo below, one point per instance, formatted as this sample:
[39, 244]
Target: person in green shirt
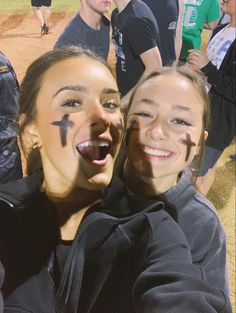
[197, 14]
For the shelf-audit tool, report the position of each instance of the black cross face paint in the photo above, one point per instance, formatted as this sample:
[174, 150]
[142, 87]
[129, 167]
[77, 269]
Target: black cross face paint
[64, 125]
[129, 130]
[189, 143]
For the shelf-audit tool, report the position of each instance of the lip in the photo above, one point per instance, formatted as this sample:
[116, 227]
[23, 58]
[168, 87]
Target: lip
[92, 150]
[156, 153]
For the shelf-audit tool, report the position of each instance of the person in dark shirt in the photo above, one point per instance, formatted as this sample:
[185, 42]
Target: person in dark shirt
[169, 17]
[166, 129]
[89, 28]
[136, 38]
[10, 159]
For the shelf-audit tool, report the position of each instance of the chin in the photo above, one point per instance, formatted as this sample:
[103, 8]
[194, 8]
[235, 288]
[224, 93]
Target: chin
[99, 181]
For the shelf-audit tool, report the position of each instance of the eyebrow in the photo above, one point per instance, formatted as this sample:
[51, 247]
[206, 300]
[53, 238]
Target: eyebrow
[110, 90]
[177, 107]
[85, 89]
[71, 87]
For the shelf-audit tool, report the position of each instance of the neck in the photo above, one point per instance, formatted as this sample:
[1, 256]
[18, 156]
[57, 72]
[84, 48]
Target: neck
[71, 208]
[121, 4]
[146, 187]
[232, 22]
[90, 17]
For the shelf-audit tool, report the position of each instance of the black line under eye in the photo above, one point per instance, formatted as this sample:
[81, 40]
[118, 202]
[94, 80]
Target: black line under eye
[71, 103]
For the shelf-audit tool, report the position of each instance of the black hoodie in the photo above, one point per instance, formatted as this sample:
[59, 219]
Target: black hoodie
[119, 262]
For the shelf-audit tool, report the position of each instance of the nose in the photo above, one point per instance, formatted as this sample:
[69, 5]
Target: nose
[157, 130]
[99, 117]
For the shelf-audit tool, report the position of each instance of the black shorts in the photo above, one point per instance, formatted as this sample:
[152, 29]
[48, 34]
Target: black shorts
[39, 3]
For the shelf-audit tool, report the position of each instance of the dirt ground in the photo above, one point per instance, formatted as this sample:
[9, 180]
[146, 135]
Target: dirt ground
[21, 41]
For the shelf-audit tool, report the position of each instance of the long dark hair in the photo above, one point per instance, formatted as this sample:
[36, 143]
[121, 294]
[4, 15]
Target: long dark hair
[30, 88]
[199, 83]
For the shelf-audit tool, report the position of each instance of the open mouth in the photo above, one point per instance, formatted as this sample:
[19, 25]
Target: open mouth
[94, 150]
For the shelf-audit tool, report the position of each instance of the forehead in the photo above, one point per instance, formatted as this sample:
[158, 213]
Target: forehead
[80, 70]
[168, 86]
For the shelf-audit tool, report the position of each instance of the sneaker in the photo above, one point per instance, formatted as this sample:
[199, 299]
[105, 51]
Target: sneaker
[46, 29]
[42, 29]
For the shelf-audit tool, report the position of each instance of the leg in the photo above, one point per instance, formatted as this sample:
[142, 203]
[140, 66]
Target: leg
[46, 15]
[39, 15]
[204, 183]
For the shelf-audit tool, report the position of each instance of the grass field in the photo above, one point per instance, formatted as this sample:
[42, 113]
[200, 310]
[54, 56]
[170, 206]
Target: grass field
[23, 6]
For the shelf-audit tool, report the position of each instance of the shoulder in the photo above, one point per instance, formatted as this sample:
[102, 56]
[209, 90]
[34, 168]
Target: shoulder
[194, 211]
[206, 208]
[198, 206]
[17, 193]
[74, 23]
[199, 220]
[3, 59]
[5, 65]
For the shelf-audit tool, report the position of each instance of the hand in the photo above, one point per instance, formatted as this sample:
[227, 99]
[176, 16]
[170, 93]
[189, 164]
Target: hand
[197, 59]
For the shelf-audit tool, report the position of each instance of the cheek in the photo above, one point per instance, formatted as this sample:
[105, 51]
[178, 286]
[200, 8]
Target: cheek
[188, 143]
[117, 120]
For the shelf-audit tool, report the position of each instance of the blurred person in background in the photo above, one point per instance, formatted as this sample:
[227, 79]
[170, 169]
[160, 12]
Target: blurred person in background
[197, 15]
[42, 12]
[10, 159]
[89, 29]
[218, 64]
[169, 17]
[136, 38]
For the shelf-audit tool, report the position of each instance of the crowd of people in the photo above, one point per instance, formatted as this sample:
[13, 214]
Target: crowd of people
[111, 214]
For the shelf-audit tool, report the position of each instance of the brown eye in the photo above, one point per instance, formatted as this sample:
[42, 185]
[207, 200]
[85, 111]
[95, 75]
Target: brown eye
[111, 105]
[71, 103]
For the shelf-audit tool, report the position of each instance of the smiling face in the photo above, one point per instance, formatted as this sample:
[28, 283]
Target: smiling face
[164, 126]
[78, 124]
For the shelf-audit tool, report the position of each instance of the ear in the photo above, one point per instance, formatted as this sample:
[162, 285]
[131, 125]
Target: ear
[31, 131]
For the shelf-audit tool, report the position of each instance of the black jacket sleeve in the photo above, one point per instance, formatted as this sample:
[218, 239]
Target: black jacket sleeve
[223, 83]
[167, 283]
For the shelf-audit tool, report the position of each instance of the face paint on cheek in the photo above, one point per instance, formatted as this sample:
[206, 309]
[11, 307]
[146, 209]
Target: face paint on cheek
[129, 130]
[64, 125]
[189, 143]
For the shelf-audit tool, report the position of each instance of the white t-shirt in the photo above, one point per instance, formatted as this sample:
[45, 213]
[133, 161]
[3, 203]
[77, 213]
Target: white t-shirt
[219, 45]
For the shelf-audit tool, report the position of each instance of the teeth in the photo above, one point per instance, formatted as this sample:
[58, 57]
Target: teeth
[94, 144]
[156, 152]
